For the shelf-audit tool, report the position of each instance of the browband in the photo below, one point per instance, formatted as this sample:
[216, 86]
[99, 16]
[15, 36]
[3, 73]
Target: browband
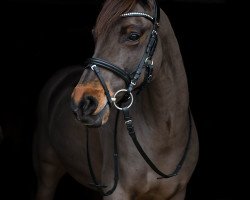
[138, 14]
[154, 20]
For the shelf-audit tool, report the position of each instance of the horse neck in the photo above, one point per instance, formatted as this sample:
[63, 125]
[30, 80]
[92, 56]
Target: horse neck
[165, 101]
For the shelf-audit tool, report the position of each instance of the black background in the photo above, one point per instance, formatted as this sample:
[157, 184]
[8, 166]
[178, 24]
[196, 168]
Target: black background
[41, 37]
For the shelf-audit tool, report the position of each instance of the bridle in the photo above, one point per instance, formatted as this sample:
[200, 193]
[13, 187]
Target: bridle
[130, 80]
[146, 61]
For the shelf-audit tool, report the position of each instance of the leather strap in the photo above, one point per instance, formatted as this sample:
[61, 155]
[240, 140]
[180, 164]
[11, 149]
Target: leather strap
[98, 186]
[113, 68]
[105, 88]
[131, 131]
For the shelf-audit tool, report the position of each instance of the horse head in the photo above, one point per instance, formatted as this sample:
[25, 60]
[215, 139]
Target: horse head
[126, 43]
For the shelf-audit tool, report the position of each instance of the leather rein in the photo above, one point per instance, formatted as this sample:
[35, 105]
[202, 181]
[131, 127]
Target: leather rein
[131, 79]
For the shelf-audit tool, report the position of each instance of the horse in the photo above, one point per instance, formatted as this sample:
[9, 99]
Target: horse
[121, 124]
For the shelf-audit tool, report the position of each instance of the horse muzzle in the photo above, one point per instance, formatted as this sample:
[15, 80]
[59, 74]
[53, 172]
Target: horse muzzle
[89, 104]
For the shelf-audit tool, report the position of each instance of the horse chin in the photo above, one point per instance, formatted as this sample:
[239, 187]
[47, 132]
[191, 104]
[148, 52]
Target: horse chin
[98, 119]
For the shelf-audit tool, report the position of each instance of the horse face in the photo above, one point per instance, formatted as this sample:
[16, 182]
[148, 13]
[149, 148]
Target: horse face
[122, 44]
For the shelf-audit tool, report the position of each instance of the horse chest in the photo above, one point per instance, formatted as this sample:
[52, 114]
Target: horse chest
[148, 187]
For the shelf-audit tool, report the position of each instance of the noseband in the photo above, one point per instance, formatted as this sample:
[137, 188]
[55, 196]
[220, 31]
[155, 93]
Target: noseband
[130, 80]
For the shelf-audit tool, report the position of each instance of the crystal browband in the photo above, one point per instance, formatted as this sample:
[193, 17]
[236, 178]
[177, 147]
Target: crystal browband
[138, 14]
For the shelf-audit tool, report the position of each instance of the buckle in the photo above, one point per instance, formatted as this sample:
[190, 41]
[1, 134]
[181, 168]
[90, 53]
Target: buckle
[149, 62]
[128, 122]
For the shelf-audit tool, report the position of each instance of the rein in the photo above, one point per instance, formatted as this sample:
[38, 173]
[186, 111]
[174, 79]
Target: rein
[131, 80]
[131, 131]
[98, 186]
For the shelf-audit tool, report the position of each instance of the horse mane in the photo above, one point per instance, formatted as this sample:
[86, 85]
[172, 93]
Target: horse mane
[111, 11]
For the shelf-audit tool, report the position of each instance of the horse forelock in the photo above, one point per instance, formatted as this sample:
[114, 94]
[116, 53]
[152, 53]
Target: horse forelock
[111, 11]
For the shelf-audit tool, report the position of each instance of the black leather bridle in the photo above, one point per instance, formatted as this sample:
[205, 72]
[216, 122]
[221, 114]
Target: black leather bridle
[146, 61]
[131, 79]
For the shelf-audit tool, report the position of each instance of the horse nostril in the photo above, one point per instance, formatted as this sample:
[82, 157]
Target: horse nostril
[88, 105]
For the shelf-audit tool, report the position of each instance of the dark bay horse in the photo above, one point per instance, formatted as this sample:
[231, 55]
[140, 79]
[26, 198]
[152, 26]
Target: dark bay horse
[120, 125]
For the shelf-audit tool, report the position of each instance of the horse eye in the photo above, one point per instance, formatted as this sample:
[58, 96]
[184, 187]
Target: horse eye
[134, 36]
